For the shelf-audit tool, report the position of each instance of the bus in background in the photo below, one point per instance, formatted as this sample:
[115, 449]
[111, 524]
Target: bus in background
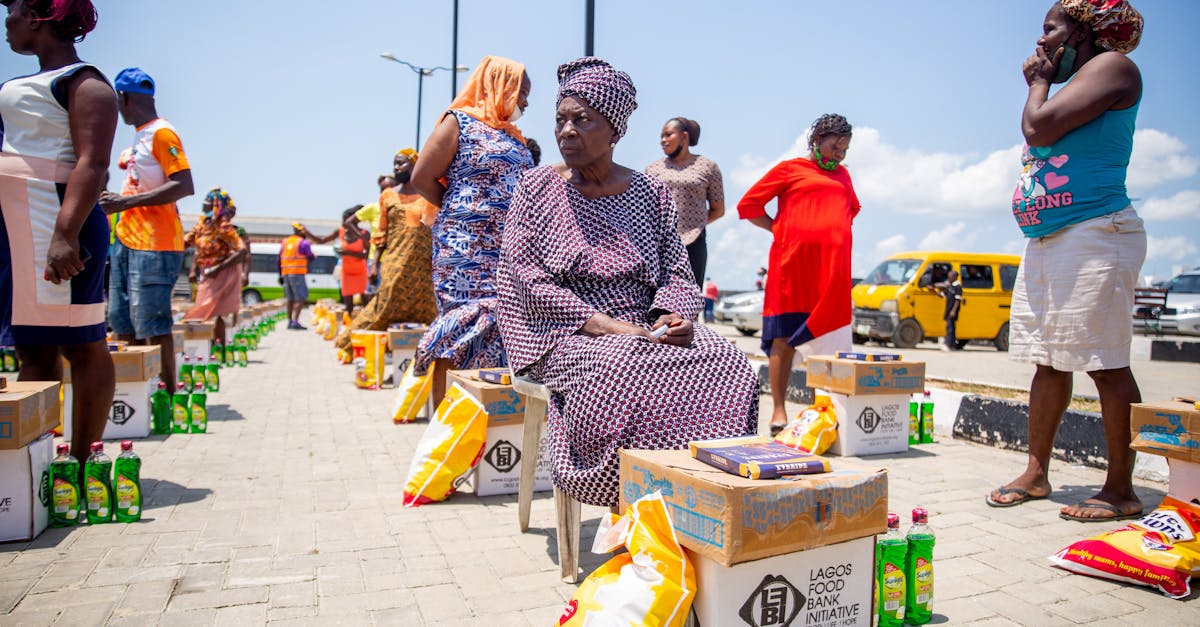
[264, 274]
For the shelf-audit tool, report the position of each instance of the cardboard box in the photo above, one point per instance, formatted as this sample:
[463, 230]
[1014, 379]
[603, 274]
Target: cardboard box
[871, 424]
[405, 340]
[852, 377]
[1168, 428]
[828, 586]
[1184, 481]
[732, 519]
[501, 402]
[197, 329]
[28, 409]
[499, 471]
[135, 363]
[25, 489]
[194, 348]
[137, 378]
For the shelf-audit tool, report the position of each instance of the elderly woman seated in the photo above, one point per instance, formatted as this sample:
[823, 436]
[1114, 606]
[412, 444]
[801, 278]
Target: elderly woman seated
[597, 298]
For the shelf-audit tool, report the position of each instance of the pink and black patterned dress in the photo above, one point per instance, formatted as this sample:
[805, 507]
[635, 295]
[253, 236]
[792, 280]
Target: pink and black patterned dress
[466, 247]
[566, 257]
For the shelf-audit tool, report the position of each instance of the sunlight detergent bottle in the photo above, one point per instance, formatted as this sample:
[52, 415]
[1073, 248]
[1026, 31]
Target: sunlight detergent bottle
[926, 434]
[914, 421]
[217, 354]
[180, 422]
[889, 574]
[243, 359]
[127, 472]
[229, 355]
[199, 410]
[918, 569]
[212, 376]
[160, 410]
[185, 372]
[97, 475]
[64, 489]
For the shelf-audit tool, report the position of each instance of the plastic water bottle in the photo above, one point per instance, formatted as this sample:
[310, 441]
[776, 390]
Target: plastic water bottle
[918, 569]
[890, 552]
[199, 410]
[926, 434]
[160, 409]
[97, 473]
[180, 418]
[127, 476]
[64, 488]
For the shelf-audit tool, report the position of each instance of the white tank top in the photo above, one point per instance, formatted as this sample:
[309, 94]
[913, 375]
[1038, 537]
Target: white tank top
[33, 121]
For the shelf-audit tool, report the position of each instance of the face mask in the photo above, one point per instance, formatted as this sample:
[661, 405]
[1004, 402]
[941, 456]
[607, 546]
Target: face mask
[1066, 64]
[516, 114]
[825, 164]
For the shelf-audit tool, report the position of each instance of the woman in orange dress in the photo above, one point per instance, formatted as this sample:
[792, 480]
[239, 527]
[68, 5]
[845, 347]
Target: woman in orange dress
[807, 306]
[218, 266]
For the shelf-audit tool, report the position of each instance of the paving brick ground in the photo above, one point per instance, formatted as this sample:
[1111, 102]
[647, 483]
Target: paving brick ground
[288, 512]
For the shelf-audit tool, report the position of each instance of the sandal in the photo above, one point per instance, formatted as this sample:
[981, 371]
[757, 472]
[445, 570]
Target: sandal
[1022, 496]
[1117, 514]
[776, 429]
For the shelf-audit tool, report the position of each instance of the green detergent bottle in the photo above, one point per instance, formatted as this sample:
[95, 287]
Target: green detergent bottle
[185, 373]
[243, 359]
[160, 410]
[127, 473]
[889, 574]
[9, 356]
[252, 338]
[918, 569]
[229, 355]
[64, 488]
[212, 376]
[199, 410]
[914, 421]
[97, 475]
[926, 434]
[180, 418]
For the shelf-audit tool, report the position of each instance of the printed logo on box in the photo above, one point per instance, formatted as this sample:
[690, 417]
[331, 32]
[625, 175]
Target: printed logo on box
[6, 505]
[775, 602]
[121, 412]
[44, 489]
[504, 456]
[869, 419]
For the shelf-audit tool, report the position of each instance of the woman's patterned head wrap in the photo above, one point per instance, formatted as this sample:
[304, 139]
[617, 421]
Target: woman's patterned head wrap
[220, 201]
[1115, 23]
[605, 88]
[408, 153]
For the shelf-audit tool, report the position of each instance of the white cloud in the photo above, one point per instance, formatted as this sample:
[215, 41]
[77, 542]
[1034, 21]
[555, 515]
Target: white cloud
[736, 250]
[1185, 204]
[910, 181]
[1157, 158]
[891, 245]
[1175, 248]
[950, 237]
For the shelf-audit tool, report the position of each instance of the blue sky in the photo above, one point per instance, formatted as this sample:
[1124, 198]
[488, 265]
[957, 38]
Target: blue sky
[288, 106]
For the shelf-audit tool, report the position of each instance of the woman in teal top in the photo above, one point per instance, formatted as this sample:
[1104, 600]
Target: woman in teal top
[1074, 291]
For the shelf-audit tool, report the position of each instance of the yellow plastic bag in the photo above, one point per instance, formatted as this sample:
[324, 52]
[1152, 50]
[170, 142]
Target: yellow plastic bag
[449, 450]
[330, 329]
[814, 430]
[412, 392]
[369, 349]
[652, 584]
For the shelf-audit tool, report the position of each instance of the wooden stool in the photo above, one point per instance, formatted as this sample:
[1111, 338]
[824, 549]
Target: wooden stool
[566, 509]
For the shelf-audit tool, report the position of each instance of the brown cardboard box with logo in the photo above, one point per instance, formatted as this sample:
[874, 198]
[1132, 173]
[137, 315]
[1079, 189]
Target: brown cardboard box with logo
[405, 340]
[197, 329]
[852, 377]
[1167, 428]
[501, 402]
[732, 519]
[137, 370]
[135, 363]
[28, 409]
[499, 469]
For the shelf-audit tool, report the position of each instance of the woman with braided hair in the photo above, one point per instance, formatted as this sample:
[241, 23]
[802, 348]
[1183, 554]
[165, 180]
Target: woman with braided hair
[218, 268]
[807, 307]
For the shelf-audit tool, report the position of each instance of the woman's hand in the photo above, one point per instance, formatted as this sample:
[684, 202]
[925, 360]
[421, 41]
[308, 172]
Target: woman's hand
[679, 331]
[62, 259]
[1041, 67]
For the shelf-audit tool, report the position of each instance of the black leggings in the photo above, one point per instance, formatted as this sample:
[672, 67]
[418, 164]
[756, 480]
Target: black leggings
[697, 253]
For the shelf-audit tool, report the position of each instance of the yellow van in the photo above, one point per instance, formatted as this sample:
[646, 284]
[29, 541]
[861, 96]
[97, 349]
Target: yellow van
[897, 302]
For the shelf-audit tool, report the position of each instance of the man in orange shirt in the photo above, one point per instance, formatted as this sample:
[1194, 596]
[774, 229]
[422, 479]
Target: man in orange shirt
[148, 250]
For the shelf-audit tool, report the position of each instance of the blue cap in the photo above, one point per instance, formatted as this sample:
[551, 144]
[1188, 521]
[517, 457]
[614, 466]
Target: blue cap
[132, 80]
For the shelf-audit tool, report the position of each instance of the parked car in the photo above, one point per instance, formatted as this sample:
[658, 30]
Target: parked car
[264, 274]
[896, 302]
[743, 311]
[1180, 314]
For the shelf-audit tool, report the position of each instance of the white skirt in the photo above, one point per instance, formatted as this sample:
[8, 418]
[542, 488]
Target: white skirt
[1073, 301]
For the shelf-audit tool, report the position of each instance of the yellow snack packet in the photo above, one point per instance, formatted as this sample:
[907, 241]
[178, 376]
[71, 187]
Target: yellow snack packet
[814, 430]
[449, 450]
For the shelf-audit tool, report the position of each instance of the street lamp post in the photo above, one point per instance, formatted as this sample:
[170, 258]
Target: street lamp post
[422, 72]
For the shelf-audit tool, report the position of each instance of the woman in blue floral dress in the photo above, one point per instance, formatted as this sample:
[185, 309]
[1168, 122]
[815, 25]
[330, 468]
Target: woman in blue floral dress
[469, 168]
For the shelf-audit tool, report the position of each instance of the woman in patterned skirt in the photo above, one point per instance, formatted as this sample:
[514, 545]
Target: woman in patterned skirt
[218, 268]
[695, 183]
[597, 299]
[480, 154]
[406, 284]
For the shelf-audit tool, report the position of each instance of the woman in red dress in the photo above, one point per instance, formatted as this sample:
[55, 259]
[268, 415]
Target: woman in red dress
[807, 307]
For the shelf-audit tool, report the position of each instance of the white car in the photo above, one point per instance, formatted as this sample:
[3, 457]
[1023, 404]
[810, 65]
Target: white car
[1181, 314]
[743, 311]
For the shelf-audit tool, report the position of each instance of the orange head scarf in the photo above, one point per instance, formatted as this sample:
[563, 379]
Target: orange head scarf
[490, 94]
